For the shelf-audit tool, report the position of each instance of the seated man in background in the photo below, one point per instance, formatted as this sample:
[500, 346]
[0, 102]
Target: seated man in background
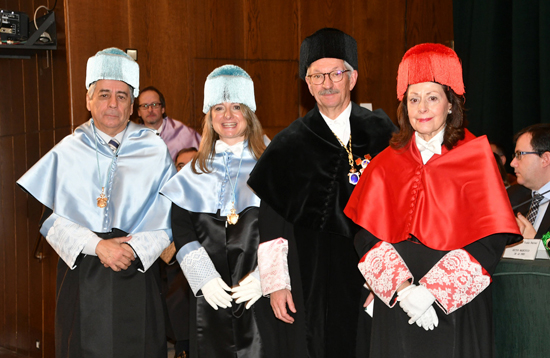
[152, 112]
[531, 164]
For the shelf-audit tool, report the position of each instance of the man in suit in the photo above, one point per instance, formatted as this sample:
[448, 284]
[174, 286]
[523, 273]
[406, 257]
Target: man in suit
[531, 164]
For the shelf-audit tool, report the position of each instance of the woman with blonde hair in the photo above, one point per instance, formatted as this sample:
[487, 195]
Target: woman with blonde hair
[215, 220]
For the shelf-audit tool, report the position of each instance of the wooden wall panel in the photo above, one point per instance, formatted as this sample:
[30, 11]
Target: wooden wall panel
[33, 99]
[164, 61]
[33, 210]
[9, 251]
[90, 27]
[217, 29]
[380, 36]
[49, 264]
[271, 30]
[275, 80]
[22, 251]
[438, 29]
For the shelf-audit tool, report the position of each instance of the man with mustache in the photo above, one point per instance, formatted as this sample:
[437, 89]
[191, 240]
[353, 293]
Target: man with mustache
[106, 220]
[307, 261]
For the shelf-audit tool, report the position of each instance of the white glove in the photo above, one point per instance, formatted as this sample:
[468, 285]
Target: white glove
[415, 300]
[428, 320]
[249, 289]
[214, 293]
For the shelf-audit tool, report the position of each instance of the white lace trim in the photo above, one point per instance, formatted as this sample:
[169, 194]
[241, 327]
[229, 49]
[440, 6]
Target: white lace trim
[198, 269]
[273, 266]
[384, 270]
[148, 245]
[68, 239]
[456, 280]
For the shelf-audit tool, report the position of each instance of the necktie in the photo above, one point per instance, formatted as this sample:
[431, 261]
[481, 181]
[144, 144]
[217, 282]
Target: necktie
[534, 209]
[113, 144]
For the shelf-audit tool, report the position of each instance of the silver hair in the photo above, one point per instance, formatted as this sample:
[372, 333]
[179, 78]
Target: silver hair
[349, 68]
[91, 91]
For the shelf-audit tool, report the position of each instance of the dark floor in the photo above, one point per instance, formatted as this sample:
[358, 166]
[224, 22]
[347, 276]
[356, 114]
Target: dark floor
[4, 353]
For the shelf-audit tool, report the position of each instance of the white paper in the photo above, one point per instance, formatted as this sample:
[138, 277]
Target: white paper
[527, 250]
[367, 106]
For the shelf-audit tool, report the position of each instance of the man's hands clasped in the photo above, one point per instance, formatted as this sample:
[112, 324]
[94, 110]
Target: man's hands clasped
[115, 253]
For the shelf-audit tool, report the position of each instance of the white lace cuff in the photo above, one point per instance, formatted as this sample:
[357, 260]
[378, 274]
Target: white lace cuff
[68, 239]
[384, 270]
[456, 280]
[196, 265]
[273, 265]
[148, 245]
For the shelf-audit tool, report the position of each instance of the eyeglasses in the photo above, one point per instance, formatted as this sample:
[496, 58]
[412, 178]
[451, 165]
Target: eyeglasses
[519, 154]
[319, 78]
[147, 105]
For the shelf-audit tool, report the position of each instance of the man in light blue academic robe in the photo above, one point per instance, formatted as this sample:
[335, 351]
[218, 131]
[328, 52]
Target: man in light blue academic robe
[106, 220]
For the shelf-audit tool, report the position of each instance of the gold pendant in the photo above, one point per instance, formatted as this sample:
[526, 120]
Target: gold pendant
[233, 217]
[102, 200]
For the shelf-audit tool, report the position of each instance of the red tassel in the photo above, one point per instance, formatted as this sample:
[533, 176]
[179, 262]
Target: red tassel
[430, 63]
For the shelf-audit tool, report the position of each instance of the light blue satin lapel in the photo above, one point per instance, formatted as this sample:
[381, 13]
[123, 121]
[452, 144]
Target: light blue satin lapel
[66, 180]
[206, 193]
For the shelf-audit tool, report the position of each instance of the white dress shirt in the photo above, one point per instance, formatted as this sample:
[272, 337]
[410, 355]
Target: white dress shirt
[340, 125]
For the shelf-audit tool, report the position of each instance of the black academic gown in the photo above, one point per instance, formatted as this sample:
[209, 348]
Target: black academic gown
[466, 332]
[127, 322]
[230, 332]
[303, 183]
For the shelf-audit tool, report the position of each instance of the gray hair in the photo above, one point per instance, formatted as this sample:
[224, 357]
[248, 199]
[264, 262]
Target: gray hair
[91, 91]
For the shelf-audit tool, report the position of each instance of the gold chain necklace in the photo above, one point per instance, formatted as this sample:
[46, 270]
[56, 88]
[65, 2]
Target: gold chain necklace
[353, 174]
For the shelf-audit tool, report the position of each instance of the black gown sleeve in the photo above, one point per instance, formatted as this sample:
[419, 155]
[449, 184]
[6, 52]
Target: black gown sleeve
[272, 225]
[489, 250]
[183, 230]
[364, 241]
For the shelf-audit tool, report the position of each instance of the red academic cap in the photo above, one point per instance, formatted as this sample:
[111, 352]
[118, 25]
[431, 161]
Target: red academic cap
[430, 63]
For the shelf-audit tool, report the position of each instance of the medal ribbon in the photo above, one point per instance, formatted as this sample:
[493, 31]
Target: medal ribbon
[102, 199]
[233, 214]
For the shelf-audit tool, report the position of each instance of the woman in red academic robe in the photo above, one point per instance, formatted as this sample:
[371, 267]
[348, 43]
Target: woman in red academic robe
[436, 223]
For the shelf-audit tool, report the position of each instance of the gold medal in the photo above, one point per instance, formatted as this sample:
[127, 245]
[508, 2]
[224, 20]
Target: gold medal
[233, 217]
[102, 200]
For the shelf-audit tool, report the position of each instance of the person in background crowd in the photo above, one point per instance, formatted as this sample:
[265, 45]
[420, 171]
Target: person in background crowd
[184, 156]
[435, 220]
[501, 170]
[106, 220]
[215, 220]
[531, 164]
[307, 259]
[499, 150]
[152, 112]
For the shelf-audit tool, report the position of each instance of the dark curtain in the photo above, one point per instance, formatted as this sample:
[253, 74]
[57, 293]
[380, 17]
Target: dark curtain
[505, 50]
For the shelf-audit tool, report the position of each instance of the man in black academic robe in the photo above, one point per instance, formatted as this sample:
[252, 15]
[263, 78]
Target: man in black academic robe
[304, 180]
